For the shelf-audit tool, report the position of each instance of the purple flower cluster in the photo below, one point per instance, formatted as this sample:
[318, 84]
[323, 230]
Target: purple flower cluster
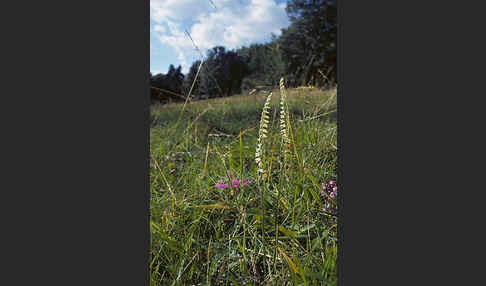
[234, 183]
[331, 190]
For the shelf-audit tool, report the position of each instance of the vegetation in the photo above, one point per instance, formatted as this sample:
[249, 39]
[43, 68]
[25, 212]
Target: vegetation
[309, 43]
[305, 54]
[243, 184]
[237, 194]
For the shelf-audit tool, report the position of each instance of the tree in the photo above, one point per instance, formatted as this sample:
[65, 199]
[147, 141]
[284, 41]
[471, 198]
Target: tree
[167, 86]
[265, 64]
[190, 78]
[222, 73]
[309, 44]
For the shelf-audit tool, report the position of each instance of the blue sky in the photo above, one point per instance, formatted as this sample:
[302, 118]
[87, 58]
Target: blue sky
[233, 23]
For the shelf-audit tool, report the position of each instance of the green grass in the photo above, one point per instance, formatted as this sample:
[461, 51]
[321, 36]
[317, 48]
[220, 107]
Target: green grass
[202, 235]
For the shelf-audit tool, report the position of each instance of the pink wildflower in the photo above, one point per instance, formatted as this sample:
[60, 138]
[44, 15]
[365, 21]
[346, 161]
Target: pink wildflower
[222, 186]
[331, 190]
[234, 183]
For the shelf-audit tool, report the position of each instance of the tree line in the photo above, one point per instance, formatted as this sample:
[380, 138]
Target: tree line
[305, 53]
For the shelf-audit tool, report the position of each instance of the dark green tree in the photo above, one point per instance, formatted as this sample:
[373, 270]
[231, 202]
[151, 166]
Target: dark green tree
[309, 43]
[189, 79]
[222, 73]
[265, 64]
[166, 86]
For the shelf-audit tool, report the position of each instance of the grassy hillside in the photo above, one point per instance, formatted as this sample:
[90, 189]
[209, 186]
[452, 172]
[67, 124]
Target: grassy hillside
[268, 230]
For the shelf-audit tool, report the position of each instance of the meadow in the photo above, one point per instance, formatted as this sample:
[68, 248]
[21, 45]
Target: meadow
[220, 218]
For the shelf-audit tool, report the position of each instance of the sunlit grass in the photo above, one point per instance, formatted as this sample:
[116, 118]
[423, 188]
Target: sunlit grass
[203, 235]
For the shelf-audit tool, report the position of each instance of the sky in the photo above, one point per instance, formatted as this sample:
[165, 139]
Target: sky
[232, 24]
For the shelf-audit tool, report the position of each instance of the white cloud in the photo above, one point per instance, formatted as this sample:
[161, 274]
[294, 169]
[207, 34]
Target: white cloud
[160, 29]
[162, 11]
[233, 24]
